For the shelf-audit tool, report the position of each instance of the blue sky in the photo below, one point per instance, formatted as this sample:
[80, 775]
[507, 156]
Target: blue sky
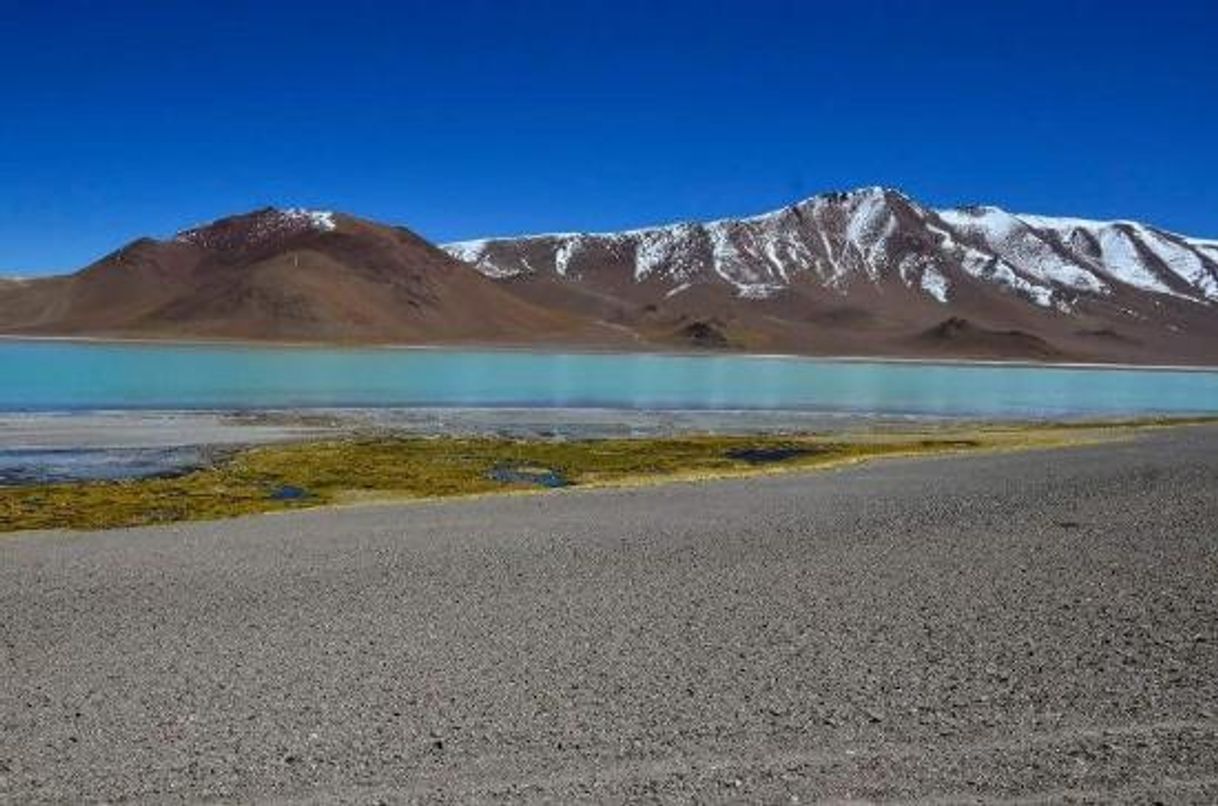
[465, 118]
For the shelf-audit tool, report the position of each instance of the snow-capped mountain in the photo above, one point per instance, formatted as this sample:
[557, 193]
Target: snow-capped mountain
[868, 272]
[877, 235]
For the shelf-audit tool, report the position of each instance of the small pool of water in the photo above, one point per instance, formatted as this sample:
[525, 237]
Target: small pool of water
[21, 467]
[528, 474]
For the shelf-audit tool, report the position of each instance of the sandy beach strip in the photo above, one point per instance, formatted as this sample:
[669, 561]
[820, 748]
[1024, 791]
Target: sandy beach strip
[137, 428]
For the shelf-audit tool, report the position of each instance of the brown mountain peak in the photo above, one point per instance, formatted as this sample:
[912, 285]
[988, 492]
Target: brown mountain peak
[259, 228]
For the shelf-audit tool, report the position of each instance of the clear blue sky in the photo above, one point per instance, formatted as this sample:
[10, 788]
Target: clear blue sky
[463, 118]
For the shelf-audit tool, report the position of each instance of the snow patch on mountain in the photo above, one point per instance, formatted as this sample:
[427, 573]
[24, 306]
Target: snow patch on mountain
[934, 283]
[562, 255]
[995, 270]
[476, 253]
[1122, 261]
[1022, 246]
[318, 219]
[1144, 257]
[868, 228]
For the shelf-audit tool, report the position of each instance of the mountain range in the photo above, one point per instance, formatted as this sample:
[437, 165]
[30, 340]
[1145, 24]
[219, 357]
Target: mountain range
[866, 272]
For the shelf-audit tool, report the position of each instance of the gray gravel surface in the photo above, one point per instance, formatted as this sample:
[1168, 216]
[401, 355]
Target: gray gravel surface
[1037, 626]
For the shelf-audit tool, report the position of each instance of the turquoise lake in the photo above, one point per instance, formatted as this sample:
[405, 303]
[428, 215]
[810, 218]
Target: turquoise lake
[63, 375]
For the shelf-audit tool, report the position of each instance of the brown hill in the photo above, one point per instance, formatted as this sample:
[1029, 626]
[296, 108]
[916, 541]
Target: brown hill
[287, 275]
[960, 337]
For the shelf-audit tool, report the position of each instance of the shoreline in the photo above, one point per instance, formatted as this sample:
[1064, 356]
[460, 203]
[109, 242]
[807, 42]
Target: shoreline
[326, 473]
[117, 430]
[251, 344]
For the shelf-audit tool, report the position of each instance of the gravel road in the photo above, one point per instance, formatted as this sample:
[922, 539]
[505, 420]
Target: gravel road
[1034, 626]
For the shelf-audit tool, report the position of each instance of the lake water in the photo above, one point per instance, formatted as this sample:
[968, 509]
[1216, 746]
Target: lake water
[62, 375]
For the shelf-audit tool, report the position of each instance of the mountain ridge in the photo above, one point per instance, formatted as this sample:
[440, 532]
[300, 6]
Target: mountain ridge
[872, 270]
[1211, 242]
[480, 252]
[863, 272]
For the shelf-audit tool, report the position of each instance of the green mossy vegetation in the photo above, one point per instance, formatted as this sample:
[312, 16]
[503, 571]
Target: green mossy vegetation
[296, 476]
